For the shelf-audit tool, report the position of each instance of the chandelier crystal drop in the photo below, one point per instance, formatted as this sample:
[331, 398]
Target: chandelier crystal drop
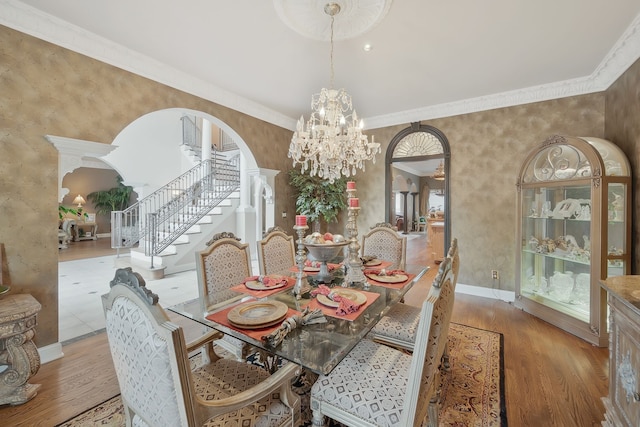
[331, 144]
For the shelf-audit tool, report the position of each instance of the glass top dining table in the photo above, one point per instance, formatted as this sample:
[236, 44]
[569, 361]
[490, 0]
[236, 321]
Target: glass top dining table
[317, 347]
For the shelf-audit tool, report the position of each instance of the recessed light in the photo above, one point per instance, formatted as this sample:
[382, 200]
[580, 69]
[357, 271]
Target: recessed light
[367, 47]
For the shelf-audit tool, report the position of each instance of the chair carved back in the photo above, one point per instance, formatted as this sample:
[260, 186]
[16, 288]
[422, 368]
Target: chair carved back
[150, 382]
[276, 252]
[383, 242]
[454, 255]
[431, 339]
[225, 262]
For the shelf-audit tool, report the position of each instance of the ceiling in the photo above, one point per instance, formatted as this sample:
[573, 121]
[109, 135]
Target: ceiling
[428, 58]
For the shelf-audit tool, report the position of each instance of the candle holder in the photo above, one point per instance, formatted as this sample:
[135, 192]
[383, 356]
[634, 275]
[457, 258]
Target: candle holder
[302, 286]
[354, 264]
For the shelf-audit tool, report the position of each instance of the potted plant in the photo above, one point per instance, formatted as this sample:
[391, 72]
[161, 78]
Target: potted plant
[113, 199]
[317, 198]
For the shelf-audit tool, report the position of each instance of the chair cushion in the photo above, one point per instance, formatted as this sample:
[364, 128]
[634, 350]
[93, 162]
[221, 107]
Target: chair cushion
[400, 323]
[369, 383]
[228, 377]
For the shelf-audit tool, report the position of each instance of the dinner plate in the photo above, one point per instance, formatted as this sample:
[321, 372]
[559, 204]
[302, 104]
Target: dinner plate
[398, 278]
[355, 296]
[373, 263]
[257, 314]
[311, 269]
[255, 285]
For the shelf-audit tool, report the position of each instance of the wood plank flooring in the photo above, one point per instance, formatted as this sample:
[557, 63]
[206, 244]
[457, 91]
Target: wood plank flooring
[551, 377]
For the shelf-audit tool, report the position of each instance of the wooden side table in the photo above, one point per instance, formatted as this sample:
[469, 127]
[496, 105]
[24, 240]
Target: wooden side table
[19, 358]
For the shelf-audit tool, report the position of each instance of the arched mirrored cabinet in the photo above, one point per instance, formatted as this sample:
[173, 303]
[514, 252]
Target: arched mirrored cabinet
[417, 184]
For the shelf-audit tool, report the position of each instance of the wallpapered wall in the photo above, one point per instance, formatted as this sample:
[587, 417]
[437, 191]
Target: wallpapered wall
[622, 125]
[49, 90]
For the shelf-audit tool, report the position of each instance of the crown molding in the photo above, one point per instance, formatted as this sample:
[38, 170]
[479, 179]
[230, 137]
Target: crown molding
[29, 20]
[26, 19]
[623, 54]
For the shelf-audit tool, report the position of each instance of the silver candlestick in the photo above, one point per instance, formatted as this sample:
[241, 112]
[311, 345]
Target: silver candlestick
[302, 286]
[354, 269]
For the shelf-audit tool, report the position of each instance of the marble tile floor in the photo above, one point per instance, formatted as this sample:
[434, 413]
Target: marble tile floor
[82, 282]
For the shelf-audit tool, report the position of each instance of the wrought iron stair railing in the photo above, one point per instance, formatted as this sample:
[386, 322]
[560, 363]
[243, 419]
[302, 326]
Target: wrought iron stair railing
[161, 218]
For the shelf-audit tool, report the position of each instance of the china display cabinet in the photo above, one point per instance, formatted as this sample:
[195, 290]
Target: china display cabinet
[574, 212]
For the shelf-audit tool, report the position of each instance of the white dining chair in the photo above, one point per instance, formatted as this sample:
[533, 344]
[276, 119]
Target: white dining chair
[377, 385]
[398, 327]
[225, 262]
[158, 386]
[276, 252]
[383, 242]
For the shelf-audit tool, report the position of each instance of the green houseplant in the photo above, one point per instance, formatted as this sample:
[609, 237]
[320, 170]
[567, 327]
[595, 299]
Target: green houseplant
[317, 198]
[113, 199]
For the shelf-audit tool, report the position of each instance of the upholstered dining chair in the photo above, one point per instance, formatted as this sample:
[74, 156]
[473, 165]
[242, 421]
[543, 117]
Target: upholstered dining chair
[157, 385]
[399, 326]
[383, 242]
[353, 393]
[276, 251]
[224, 263]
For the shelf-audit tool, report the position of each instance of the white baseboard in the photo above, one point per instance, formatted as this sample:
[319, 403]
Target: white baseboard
[50, 352]
[508, 296]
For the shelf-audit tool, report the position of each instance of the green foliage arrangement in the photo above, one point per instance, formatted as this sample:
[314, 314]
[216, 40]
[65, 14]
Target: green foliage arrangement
[114, 199]
[63, 210]
[317, 198]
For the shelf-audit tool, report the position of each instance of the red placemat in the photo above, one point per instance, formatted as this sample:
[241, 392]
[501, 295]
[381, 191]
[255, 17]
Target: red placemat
[331, 311]
[221, 318]
[399, 285]
[261, 294]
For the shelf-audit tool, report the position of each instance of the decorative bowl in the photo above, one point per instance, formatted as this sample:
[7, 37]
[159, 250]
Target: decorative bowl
[324, 252]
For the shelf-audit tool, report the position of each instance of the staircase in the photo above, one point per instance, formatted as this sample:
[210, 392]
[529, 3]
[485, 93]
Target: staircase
[164, 229]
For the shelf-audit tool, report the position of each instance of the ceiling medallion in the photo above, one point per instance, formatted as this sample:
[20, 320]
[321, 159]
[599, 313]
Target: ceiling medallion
[306, 17]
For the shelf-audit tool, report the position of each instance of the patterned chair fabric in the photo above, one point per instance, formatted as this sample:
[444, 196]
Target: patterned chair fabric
[276, 252]
[376, 385]
[398, 327]
[153, 370]
[383, 242]
[225, 263]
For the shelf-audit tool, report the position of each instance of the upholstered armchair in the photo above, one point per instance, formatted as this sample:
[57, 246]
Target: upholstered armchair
[157, 386]
[383, 242]
[351, 393]
[225, 263]
[276, 252]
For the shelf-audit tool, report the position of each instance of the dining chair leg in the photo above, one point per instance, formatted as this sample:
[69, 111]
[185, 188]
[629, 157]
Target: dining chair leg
[445, 358]
[317, 419]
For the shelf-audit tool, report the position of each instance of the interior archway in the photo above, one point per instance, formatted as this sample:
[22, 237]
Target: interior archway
[416, 153]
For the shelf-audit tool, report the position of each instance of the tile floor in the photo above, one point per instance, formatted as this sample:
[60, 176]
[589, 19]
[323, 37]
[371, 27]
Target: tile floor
[81, 283]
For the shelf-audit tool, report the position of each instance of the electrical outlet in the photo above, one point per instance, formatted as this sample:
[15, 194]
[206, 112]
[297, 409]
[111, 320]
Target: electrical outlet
[284, 214]
[494, 274]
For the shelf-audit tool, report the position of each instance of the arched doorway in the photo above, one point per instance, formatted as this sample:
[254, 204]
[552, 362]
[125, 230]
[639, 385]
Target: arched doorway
[415, 161]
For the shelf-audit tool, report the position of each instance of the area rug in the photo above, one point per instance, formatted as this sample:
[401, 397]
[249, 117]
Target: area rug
[472, 391]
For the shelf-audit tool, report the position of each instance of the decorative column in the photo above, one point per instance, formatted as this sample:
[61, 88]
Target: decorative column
[414, 221]
[404, 196]
[354, 264]
[19, 358]
[302, 286]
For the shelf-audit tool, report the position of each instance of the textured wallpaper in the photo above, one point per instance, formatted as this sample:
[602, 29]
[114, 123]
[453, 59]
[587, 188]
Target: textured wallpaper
[622, 118]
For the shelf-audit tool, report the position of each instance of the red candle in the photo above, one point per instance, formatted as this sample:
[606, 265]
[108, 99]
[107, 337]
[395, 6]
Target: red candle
[351, 185]
[301, 220]
[354, 202]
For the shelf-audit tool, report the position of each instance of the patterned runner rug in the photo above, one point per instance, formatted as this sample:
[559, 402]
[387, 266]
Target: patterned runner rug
[472, 390]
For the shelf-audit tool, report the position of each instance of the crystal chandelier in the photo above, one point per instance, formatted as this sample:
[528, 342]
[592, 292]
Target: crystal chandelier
[439, 173]
[332, 144]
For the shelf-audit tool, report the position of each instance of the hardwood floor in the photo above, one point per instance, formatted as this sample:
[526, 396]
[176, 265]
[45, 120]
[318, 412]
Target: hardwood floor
[551, 377]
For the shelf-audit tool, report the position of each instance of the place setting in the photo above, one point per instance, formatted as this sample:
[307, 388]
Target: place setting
[263, 286]
[373, 261]
[342, 303]
[392, 278]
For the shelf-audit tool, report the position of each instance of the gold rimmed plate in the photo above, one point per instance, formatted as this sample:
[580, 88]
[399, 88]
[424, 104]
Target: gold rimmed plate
[256, 285]
[397, 278]
[257, 314]
[373, 263]
[355, 296]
